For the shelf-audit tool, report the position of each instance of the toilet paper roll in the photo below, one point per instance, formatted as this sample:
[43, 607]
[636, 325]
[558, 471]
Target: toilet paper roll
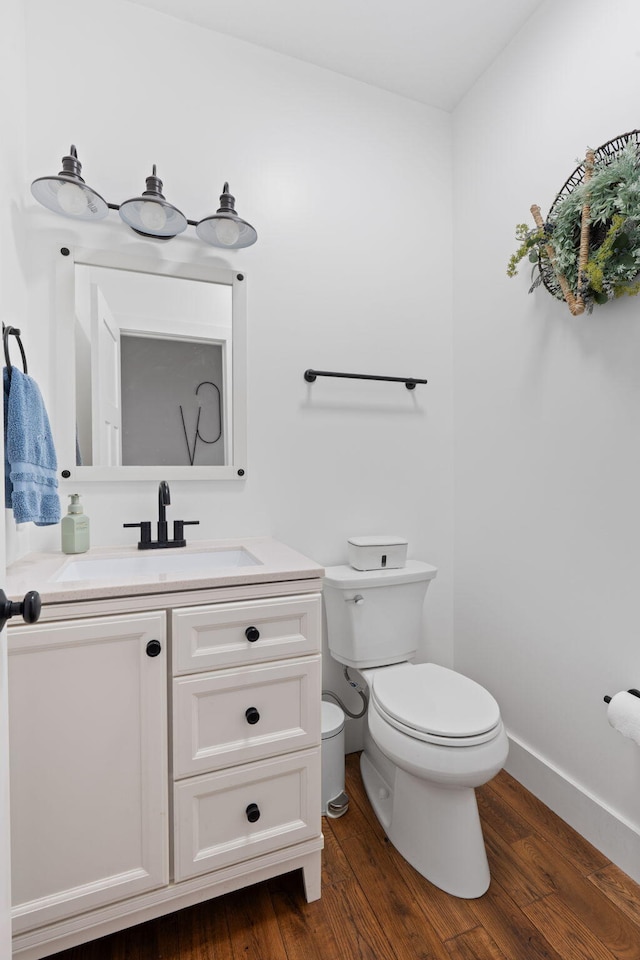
[623, 713]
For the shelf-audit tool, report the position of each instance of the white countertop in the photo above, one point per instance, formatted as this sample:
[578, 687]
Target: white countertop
[276, 563]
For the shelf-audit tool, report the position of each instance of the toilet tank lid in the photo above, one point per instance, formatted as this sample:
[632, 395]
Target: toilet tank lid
[380, 541]
[346, 577]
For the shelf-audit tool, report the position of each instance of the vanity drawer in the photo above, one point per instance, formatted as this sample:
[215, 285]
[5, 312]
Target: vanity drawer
[236, 634]
[248, 713]
[215, 815]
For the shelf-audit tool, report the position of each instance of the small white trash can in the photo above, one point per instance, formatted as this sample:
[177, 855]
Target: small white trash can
[334, 799]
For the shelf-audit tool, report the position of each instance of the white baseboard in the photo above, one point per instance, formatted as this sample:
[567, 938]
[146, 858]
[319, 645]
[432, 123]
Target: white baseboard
[600, 825]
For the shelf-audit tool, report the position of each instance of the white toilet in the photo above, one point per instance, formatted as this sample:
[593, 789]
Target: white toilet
[432, 735]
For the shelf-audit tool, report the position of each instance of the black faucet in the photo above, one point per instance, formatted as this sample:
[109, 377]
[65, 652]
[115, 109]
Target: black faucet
[164, 499]
[146, 543]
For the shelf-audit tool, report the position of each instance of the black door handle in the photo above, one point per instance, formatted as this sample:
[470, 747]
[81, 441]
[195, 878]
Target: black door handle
[153, 648]
[253, 812]
[29, 608]
[252, 634]
[252, 715]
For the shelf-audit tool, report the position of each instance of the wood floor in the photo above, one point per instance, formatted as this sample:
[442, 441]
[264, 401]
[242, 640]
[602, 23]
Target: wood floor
[552, 896]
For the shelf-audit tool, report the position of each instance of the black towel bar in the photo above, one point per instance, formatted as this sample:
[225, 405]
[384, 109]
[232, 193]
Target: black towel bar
[7, 332]
[409, 382]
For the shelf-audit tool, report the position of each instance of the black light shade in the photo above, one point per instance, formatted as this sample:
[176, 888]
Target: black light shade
[68, 194]
[151, 215]
[225, 228]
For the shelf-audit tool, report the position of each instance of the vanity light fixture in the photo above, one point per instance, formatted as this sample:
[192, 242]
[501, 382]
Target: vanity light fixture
[68, 194]
[149, 215]
[225, 228]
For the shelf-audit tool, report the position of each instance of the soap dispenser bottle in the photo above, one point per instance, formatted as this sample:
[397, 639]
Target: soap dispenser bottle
[75, 527]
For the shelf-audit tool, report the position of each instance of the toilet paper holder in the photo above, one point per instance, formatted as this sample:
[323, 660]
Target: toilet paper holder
[635, 692]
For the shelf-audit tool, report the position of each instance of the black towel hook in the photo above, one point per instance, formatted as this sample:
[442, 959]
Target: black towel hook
[8, 331]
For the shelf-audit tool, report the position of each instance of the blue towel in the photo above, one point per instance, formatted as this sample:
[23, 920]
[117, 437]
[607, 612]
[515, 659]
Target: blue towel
[30, 463]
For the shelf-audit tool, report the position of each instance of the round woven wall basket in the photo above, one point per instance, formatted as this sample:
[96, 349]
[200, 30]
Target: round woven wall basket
[604, 154]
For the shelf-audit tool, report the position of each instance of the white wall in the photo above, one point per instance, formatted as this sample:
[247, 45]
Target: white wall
[349, 189]
[547, 417]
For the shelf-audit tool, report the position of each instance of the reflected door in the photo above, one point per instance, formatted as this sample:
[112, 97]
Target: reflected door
[107, 411]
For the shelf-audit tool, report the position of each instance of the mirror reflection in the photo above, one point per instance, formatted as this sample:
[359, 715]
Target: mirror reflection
[159, 370]
[153, 369]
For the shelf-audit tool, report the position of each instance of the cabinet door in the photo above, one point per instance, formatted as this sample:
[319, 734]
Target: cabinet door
[88, 764]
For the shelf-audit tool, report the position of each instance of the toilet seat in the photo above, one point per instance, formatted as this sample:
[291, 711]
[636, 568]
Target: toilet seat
[434, 704]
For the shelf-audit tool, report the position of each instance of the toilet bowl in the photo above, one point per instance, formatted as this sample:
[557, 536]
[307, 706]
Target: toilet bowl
[432, 735]
[430, 776]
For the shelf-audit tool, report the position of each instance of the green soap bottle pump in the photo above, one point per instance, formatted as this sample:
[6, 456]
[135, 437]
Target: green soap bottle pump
[75, 527]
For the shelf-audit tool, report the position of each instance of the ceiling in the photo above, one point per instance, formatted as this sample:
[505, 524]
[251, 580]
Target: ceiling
[432, 51]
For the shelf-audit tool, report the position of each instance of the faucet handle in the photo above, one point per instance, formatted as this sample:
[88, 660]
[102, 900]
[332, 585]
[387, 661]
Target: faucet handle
[145, 530]
[179, 525]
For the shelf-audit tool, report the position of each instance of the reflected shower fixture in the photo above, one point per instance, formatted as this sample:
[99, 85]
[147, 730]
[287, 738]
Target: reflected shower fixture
[150, 215]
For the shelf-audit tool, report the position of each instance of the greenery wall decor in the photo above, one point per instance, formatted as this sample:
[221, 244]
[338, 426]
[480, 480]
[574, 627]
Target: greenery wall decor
[587, 251]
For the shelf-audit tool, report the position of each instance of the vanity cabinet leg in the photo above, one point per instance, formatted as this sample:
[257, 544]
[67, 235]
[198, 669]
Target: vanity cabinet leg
[312, 876]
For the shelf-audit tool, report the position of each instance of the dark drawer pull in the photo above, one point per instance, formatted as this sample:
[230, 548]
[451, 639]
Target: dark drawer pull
[252, 634]
[253, 812]
[153, 648]
[252, 715]
[29, 608]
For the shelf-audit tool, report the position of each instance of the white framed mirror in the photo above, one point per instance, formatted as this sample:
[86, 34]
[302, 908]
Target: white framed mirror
[152, 361]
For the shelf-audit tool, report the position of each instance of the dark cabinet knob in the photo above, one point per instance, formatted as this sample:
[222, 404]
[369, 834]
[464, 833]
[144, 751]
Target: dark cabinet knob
[29, 608]
[252, 634]
[153, 648]
[253, 812]
[252, 715]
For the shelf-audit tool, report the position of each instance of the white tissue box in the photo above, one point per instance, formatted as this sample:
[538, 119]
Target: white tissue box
[377, 552]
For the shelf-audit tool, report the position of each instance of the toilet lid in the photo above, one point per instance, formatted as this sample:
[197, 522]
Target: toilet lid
[435, 701]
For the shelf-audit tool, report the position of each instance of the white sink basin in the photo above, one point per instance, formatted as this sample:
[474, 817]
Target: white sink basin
[152, 564]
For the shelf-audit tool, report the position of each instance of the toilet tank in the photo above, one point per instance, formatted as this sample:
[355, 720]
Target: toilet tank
[374, 617]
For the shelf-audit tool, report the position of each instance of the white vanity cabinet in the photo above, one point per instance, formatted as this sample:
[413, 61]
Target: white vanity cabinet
[165, 749]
